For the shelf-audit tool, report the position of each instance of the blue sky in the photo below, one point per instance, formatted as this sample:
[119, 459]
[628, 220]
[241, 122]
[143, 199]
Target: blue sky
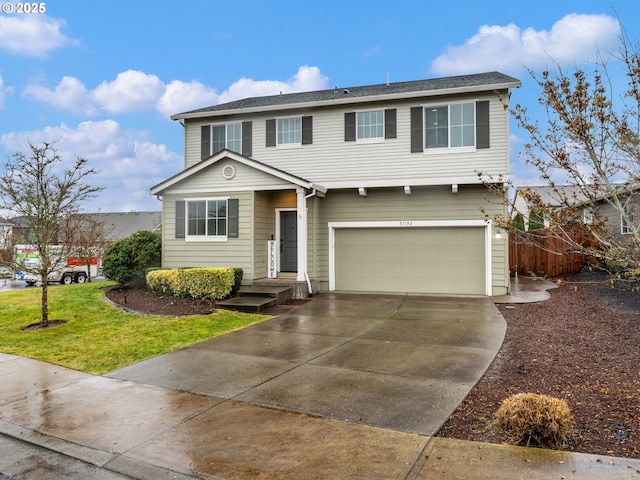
[103, 77]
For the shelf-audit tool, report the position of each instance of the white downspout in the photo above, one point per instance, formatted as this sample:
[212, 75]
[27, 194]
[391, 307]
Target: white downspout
[302, 234]
[306, 274]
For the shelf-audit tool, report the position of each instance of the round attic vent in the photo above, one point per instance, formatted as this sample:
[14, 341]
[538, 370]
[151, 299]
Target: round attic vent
[229, 172]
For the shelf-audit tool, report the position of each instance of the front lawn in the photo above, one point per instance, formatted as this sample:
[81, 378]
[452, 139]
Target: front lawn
[99, 337]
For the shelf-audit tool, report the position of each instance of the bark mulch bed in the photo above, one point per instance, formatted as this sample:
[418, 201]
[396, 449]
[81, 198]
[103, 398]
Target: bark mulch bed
[145, 301]
[582, 345]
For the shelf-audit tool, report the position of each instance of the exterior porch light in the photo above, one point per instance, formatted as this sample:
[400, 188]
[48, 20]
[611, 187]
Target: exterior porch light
[362, 191]
[407, 190]
[454, 188]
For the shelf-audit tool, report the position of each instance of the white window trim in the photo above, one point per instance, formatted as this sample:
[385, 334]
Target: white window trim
[203, 238]
[625, 228]
[374, 139]
[487, 224]
[441, 150]
[285, 146]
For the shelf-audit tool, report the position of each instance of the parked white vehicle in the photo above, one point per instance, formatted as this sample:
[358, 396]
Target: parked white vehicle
[68, 271]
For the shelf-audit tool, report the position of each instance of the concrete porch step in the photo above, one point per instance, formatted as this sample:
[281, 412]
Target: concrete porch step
[256, 298]
[252, 304]
[282, 293]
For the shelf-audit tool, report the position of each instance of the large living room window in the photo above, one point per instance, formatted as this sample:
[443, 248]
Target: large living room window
[227, 136]
[450, 126]
[207, 219]
[289, 131]
[370, 126]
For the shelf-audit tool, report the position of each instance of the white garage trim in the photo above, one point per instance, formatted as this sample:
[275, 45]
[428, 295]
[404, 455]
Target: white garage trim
[413, 224]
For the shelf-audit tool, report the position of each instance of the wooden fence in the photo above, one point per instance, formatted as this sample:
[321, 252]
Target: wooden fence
[542, 254]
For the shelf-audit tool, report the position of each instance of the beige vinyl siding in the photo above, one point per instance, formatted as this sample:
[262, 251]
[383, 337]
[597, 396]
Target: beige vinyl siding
[234, 252]
[262, 233]
[500, 264]
[246, 178]
[436, 203]
[332, 160]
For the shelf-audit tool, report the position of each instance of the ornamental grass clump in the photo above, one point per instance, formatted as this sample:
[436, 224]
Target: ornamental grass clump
[529, 418]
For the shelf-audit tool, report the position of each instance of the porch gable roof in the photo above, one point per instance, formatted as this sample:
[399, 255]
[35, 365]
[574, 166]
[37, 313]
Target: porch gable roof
[249, 162]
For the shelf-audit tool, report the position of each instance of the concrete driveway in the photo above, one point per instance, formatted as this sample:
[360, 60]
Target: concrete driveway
[346, 386]
[396, 362]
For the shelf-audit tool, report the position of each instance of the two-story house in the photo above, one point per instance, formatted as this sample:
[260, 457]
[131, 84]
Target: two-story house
[372, 188]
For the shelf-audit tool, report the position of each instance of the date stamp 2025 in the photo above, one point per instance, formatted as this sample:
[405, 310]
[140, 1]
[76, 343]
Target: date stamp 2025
[20, 7]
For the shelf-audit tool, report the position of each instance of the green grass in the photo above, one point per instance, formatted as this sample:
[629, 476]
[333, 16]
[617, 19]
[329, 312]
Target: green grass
[98, 336]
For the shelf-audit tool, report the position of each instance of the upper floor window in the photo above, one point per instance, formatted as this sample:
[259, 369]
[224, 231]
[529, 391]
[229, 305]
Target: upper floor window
[450, 126]
[236, 137]
[227, 136]
[207, 218]
[289, 131]
[370, 125]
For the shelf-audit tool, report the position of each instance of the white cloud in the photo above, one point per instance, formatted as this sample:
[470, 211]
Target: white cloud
[130, 91]
[4, 91]
[573, 38]
[180, 96]
[134, 90]
[306, 79]
[32, 35]
[69, 94]
[128, 164]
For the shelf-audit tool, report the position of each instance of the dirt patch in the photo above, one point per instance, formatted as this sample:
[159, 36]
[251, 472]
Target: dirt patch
[582, 345]
[44, 326]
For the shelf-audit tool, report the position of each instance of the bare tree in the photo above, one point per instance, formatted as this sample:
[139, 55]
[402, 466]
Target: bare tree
[587, 153]
[41, 189]
[88, 236]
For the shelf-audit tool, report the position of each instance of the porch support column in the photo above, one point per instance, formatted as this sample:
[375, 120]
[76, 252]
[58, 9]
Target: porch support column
[302, 233]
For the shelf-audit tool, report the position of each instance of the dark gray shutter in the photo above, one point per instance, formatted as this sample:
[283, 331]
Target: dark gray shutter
[232, 217]
[417, 135]
[271, 132]
[482, 124]
[180, 218]
[350, 127]
[390, 123]
[307, 130]
[205, 142]
[247, 140]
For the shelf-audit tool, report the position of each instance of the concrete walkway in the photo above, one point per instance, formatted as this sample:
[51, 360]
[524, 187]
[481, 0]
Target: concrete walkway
[345, 387]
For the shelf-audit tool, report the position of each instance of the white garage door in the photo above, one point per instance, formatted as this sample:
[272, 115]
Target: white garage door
[439, 260]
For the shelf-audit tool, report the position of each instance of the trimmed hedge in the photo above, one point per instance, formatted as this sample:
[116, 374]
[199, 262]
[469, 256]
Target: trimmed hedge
[199, 283]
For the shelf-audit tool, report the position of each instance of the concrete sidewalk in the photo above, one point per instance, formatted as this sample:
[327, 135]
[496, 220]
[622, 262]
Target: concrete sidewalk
[346, 387]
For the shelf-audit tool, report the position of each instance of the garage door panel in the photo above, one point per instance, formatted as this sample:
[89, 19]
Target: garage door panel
[417, 260]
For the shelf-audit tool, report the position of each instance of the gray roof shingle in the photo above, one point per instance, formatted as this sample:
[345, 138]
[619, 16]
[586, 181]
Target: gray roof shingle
[481, 81]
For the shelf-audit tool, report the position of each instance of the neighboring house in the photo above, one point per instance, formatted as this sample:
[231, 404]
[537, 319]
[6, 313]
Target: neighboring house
[601, 208]
[372, 188]
[547, 195]
[117, 225]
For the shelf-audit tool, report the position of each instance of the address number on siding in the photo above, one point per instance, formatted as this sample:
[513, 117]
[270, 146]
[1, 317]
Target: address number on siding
[406, 223]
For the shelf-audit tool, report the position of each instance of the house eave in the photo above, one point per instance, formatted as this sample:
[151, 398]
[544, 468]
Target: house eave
[183, 175]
